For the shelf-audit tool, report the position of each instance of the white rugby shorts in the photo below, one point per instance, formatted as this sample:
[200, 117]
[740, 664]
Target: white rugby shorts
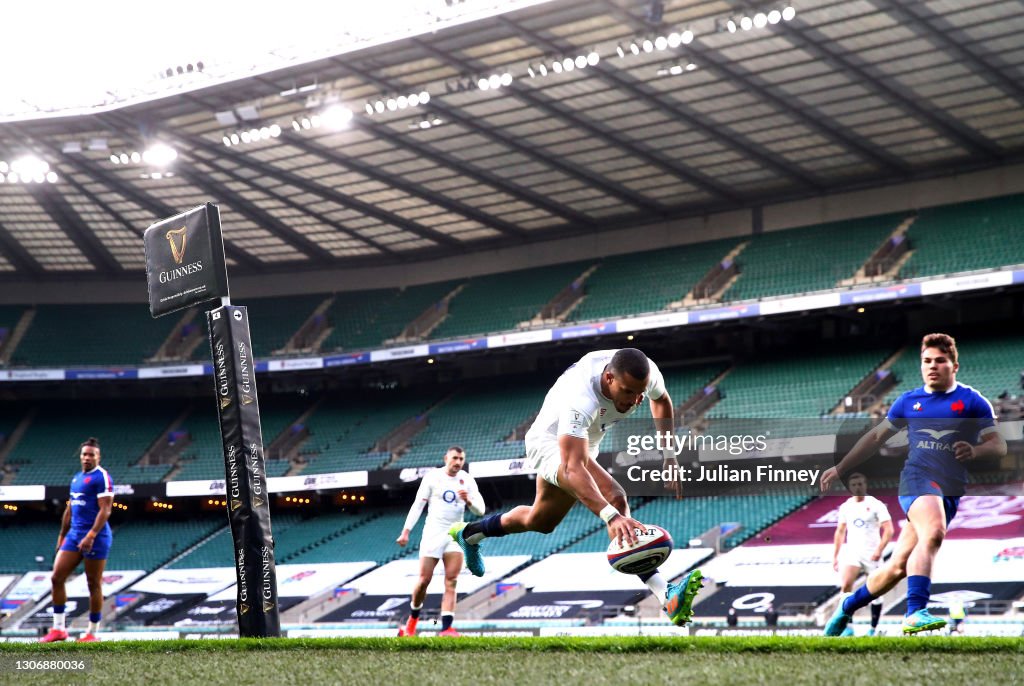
[435, 542]
[861, 560]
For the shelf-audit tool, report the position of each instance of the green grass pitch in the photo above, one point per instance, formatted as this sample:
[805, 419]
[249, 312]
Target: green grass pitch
[566, 661]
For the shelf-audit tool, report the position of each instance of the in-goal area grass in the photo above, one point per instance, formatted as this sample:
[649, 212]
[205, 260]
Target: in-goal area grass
[565, 661]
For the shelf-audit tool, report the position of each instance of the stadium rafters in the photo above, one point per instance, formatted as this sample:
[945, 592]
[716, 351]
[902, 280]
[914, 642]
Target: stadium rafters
[503, 151]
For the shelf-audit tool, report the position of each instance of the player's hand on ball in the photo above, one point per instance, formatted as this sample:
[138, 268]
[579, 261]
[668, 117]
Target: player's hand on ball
[623, 530]
[963, 451]
[828, 478]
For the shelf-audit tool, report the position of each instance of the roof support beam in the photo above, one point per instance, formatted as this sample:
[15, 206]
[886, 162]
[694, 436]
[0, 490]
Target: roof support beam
[261, 218]
[922, 20]
[692, 118]
[316, 189]
[441, 157]
[816, 43]
[84, 239]
[20, 258]
[85, 167]
[547, 104]
[406, 187]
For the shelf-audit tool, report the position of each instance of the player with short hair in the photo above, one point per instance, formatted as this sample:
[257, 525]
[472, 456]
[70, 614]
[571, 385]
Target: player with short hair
[446, 492]
[865, 527]
[948, 424]
[562, 445]
[84, 535]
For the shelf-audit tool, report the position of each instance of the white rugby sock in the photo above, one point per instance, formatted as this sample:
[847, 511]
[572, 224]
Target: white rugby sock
[58, 620]
[658, 586]
[93, 627]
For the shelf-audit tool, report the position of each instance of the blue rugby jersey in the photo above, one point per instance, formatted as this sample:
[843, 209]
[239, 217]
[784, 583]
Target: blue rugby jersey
[86, 489]
[934, 422]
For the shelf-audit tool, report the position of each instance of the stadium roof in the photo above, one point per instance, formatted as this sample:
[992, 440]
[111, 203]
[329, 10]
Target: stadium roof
[846, 94]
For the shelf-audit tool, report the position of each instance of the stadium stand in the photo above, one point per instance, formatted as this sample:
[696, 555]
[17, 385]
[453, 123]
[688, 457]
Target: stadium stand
[366, 319]
[479, 420]
[9, 317]
[48, 451]
[212, 551]
[23, 541]
[68, 335]
[343, 433]
[499, 302]
[203, 458]
[134, 547]
[667, 275]
[966, 236]
[273, 321]
[805, 386]
[810, 258]
[371, 540]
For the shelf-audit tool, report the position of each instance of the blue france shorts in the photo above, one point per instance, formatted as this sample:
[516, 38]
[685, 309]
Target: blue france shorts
[100, 546]
[949, 503]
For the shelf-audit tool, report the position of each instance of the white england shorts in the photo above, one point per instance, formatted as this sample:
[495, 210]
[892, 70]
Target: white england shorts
[863, 561]
[544, 457]
[435, 542]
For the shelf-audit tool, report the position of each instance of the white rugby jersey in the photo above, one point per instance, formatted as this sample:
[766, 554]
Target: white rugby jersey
[439, 493]
[575, 405]
[863, 523]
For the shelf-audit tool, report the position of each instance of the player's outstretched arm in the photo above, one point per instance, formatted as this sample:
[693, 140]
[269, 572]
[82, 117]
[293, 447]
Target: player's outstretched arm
[664, 413]
[866, 446]
[581, 484]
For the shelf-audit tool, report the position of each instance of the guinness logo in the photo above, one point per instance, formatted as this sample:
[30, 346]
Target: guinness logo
[246, 399]
[177, 250]
[235, 504]
[243, 608]
[267, 606]
[256, 502]
[224, 402]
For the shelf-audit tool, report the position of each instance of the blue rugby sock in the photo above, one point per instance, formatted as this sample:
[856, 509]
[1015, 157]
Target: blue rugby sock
[861, 597]
[95, 616]
[488, 527]
[919, 590]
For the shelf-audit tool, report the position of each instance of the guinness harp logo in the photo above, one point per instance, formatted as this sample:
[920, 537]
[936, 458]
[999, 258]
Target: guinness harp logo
[257, 502]
[235, 504]
[246, 399]
[243, 608]
[267, 606]
[224, 402]
[177, 250]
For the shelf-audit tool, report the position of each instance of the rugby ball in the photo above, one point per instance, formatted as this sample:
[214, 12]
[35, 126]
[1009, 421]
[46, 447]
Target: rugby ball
[651, 550]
